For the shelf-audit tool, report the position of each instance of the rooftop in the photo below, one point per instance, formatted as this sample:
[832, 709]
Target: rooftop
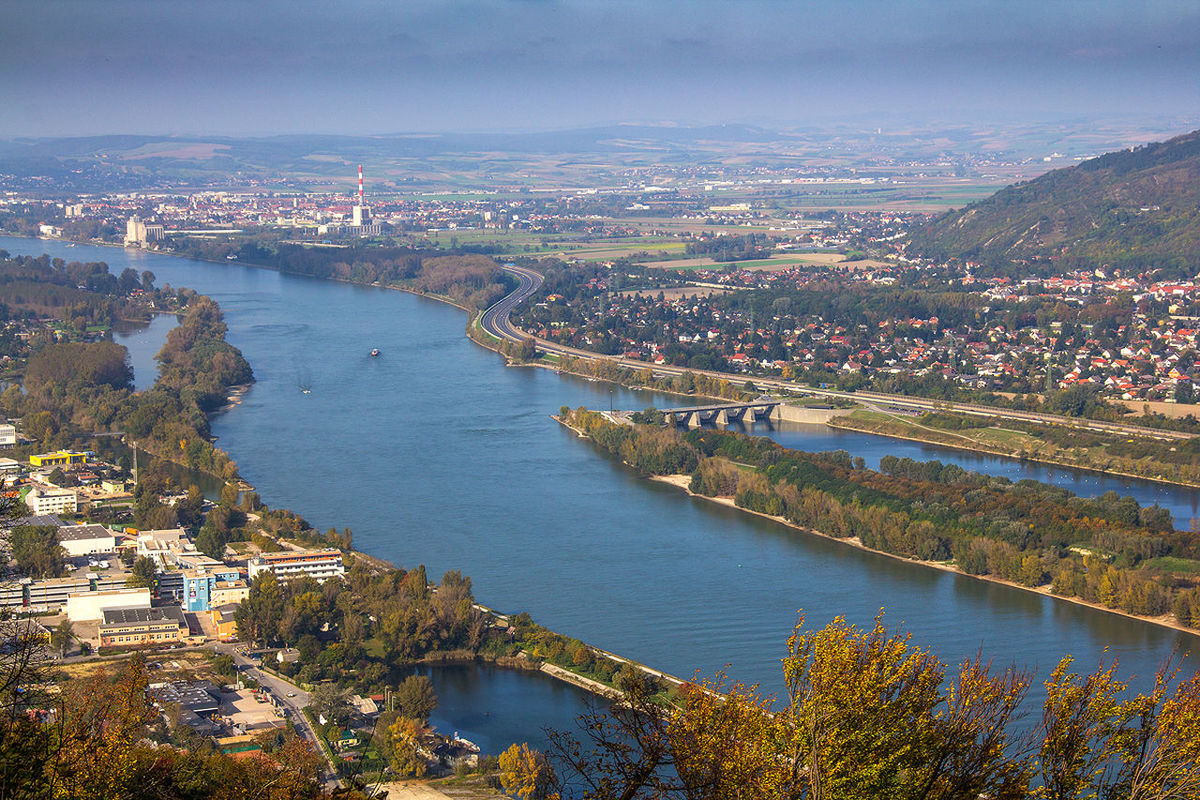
[129, 616]
[70, 533]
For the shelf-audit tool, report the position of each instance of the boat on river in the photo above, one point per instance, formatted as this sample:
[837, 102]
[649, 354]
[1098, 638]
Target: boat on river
[375, 351]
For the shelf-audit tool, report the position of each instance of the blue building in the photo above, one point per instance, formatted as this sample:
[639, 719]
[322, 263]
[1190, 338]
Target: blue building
[202, 586]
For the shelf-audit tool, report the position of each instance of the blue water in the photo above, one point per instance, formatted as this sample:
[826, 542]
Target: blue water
[143, 343]
[436, 453]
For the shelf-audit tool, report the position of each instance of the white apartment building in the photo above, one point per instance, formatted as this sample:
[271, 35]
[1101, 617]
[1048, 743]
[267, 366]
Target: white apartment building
[51, 501]
[318, 564]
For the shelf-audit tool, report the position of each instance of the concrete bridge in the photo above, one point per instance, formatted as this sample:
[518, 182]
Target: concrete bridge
[695, 416]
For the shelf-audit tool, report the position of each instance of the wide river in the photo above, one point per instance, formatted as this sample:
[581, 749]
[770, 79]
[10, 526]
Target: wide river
[436, 453]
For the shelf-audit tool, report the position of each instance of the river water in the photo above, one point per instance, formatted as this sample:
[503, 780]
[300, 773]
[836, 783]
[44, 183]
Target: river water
[436, 453]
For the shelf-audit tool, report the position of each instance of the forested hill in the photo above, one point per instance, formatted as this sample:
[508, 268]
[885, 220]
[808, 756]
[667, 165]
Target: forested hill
[1131, 208]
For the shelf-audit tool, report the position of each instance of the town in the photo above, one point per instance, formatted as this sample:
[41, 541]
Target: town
[737, 287]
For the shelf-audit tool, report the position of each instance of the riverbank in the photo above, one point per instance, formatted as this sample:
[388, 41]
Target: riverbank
[907, 431]
[683, 482]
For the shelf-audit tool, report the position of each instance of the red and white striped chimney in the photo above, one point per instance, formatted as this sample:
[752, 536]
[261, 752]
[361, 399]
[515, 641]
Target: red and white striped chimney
[360, 185]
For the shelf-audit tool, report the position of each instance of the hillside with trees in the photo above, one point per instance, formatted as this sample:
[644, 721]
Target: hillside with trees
[1135, 208]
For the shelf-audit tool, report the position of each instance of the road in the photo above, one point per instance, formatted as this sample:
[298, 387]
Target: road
[291, 696]
[495, 321]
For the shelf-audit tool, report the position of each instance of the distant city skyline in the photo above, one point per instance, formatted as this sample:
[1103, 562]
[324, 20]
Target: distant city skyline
[73, 67]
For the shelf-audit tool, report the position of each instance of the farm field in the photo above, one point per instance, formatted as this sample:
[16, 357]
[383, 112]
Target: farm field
[762, 265]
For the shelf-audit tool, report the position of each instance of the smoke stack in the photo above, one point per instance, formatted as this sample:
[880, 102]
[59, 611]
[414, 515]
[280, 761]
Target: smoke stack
[360, 185]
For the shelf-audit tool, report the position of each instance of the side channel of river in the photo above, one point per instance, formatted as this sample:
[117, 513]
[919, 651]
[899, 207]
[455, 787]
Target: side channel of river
[435, 453]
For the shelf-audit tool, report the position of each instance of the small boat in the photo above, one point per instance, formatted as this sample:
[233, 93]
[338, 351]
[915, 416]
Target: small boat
[374, 352]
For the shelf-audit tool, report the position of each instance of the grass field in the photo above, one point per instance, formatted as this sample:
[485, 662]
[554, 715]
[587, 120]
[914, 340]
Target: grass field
[766, 265]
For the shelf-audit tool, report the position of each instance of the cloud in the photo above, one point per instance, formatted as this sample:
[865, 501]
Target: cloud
[438, 63]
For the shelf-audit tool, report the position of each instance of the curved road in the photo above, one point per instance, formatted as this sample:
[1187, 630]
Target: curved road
[495, 320]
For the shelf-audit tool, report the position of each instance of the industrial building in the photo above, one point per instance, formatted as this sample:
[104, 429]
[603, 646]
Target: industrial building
[86, 540]
[60, 458]
[88, 605]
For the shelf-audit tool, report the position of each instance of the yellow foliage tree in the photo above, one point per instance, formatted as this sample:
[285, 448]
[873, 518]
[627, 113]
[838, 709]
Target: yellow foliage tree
[407, 759]
[525, 773]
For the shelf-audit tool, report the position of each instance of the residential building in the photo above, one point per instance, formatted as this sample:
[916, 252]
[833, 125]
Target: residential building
[9, 467]
[8, 435]
[43, 501]
[318, 564]
[131, 627]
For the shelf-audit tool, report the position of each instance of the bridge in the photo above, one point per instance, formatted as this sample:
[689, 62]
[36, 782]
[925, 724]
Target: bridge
[695, 416]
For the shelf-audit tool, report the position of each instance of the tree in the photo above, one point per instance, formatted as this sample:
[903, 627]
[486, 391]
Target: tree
[62, 479]
[211, 543]
[333, 704]
[404, 737]
[63, 637]
[189, 509]
[142, 573]
[415, 697]
[36, 550]
[26, 746]
[526, 773]
[229, 495]
[260, 616]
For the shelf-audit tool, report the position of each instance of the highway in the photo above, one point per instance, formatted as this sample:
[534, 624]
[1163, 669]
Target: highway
[495, 320]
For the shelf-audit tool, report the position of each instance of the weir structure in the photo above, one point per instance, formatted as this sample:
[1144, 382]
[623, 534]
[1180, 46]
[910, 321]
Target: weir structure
[695, 416]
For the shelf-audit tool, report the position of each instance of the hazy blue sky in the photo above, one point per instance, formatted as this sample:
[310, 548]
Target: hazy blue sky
[157, 66]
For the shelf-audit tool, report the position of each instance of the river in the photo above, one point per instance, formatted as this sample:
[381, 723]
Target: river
[435, 453]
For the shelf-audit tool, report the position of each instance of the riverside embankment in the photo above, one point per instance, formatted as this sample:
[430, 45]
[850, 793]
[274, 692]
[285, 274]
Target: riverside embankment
[434, 454]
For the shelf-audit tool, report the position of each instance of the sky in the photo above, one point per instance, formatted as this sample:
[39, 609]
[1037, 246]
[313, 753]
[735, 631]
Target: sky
[83, 67]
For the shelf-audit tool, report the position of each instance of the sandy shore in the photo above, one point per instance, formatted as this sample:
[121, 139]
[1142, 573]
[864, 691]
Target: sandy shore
[1165, 621]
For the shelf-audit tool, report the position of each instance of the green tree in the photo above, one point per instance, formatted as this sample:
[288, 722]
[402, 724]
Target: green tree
[36, 550]
[142, 573]
[333, 704]
[415, 697]
[211, 543]
[63, 637]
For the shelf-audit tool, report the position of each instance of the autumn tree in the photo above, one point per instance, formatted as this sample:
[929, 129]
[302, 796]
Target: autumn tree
[526, 773]
[404, 737]
[869, 715]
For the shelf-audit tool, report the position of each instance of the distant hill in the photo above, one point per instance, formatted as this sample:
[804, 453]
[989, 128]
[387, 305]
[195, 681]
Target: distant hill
[1133, 208]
